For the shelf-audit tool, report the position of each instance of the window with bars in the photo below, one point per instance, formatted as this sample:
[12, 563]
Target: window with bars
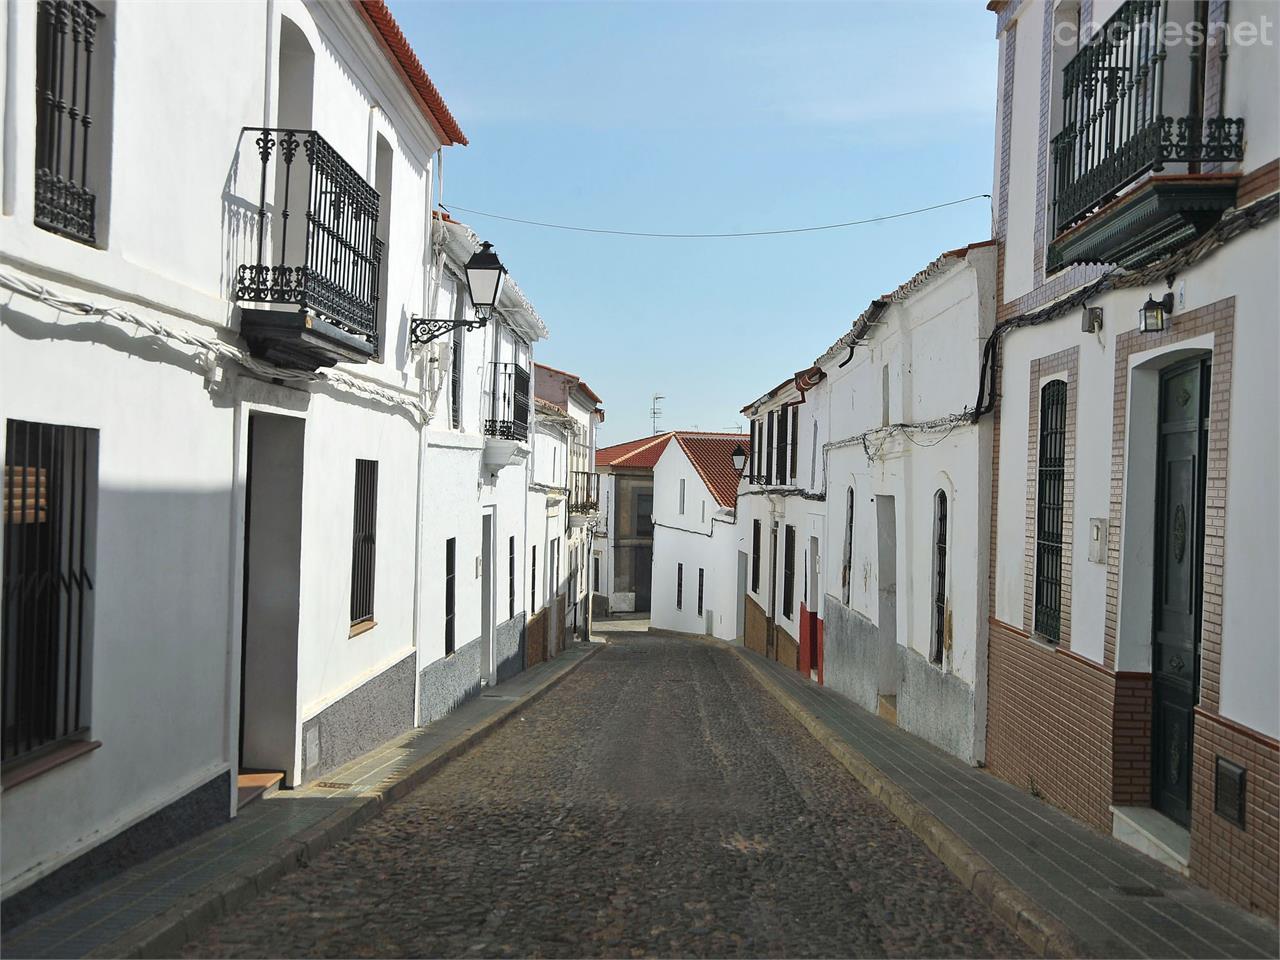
[795, 442]
[780, 455]
[595, 574]
[679, 586]
[450, 593]
[846, 570]
[511, 577]
[1051, 470]
[755, 556]
[788, 571]
[701, 572]
[455, 372]
[364, 537]
[768, 450]
[70, 75]
[533, 579]
[939, 576]
[49, 514]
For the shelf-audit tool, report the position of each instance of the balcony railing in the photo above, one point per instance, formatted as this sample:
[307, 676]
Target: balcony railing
[1132, 105]
[584, 492]
[327, 261]
[508, 403]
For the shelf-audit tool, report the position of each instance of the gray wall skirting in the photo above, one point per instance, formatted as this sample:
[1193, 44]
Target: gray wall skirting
[935, 706]
[509, 647]
[851, 655]
[371, 714]
[191, 814]
[448, 683]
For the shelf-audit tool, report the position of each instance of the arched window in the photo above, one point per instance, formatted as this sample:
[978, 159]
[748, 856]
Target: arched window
[939, 576]
[846, 571]
[1051, 474]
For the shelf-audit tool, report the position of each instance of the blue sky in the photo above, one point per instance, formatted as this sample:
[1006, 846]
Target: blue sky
[710, 117]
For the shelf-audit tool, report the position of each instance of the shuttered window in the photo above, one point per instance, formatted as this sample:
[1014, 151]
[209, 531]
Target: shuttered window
[755, 556]
[511, 577]
[781, 454]
[533, 579]
[789, 571]
[795, 441]
[364, 540]
[1051, 472]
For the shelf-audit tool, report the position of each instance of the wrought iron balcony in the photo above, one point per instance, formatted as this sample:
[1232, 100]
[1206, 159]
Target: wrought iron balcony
[1132, 106]
[508, 402]
[320, 256]
[584, 492]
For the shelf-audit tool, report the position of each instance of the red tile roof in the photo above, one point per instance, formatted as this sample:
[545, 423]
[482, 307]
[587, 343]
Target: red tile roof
[401, 54]
[633, 453]
[712, 456]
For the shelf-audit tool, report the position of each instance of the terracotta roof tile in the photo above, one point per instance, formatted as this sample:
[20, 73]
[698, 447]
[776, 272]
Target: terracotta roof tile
[401, 53]
[712, 456]
[633, 453]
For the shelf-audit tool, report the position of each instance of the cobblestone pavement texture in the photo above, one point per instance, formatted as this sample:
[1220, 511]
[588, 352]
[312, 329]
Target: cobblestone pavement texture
[657, 802]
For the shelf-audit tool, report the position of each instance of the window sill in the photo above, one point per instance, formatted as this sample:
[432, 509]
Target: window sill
[364, 626]
[56, 757]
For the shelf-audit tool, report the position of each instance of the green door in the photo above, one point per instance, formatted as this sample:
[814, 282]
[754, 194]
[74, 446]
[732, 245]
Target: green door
[1180, 485]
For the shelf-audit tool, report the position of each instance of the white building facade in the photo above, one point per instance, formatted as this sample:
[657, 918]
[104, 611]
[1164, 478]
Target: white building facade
[695, 542]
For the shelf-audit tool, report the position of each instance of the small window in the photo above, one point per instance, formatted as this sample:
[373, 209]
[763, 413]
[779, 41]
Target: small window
[455, 365]
[533, 579]
[595, 574]
[450, 595]
[755, 556]
[364, 535]
[789, 571]
[679, 586]
[700, 580]
[1049, 509]
[682, 496]
[939, 576]
[49, 512]
[846, 571]
[511, 577]
[644, 514]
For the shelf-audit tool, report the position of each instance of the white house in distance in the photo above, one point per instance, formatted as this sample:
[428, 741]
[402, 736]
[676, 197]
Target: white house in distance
[1133, 665]
[907, 515]
[695, 487]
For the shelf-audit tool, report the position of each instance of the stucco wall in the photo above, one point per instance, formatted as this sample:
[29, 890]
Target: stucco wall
[373, 713]
[510, 641]
[852, 654]
[446, 684]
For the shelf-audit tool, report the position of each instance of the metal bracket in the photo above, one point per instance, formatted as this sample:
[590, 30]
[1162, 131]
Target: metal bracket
[423, 330]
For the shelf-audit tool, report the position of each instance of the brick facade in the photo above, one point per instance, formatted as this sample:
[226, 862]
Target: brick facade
[1131, 740]
[1239, 863]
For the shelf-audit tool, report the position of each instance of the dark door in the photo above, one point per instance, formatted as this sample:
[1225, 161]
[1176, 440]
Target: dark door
[1180, 483]
[643, 577]
[770, 647]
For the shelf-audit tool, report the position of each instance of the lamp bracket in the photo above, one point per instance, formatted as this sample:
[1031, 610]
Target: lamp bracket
[422, 330]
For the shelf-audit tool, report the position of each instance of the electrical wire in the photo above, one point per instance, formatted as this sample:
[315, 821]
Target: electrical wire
[716, 236]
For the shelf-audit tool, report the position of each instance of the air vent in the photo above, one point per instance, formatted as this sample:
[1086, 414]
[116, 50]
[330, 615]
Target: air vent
[1228, 791]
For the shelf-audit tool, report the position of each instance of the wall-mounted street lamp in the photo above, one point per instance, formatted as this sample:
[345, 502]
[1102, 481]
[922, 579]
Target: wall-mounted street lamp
[1155, 313]
[485, 277]
[739, 459]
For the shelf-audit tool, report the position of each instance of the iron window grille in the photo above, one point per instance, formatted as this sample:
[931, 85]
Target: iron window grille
[509, 403]
[533, 579]
[795, 441]
[66, 33]
[789, 571]
[49, 512]
[780, 456]
[455, 381]
[595, 574]
[450, 594]
[679, 586]
[1049, 509]
[329, 264]
[511, 577]
[584, 491]
[364, 540]
[939, 576]
[755, 556]
[1114, 125]
[701, 572]
[768, 450]
[846, 570]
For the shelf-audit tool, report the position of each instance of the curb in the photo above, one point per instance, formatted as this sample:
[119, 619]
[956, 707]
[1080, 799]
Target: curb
[1045, 934]
[165, 934]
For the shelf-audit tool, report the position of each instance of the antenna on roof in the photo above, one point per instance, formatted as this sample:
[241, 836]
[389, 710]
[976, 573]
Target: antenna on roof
[655, 411]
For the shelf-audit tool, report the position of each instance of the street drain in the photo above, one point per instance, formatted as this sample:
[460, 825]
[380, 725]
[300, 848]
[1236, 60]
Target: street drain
[334, 785]
[1139, 891]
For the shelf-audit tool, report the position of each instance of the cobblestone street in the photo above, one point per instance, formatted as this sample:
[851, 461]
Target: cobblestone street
[656, 802]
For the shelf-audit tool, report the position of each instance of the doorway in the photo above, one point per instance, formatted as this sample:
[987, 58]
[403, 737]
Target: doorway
[740, 626]
[272, 574]
[770, 650]
[887, 577]
[487, 675]
[1178, 557]
[812, 603]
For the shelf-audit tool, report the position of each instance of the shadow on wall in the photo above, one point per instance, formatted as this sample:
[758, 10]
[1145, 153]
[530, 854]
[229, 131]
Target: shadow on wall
[449, 682]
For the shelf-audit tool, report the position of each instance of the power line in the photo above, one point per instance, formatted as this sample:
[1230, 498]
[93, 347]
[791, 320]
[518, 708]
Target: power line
[717, 236]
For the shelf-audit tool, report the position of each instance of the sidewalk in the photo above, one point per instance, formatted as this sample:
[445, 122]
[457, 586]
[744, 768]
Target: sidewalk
[155, 907]
[1064, 887]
